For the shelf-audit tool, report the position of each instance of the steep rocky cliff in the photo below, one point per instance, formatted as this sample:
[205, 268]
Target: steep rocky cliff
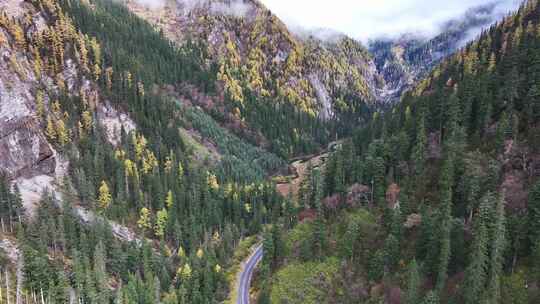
[29, 154]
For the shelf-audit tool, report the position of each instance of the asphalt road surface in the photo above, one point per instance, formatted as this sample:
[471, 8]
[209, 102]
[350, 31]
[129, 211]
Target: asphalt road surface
[247, 273]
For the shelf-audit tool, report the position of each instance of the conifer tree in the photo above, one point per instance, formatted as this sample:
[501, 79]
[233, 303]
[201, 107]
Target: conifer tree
[350, 239]
[379, 184]
[100, 272]
[391, 252]
[268, 249]
[496, 256]
[412, 295]
[446, 186]
[533, 104]
[431, 298]
[533, 208]
[420, 149]
[475, 274]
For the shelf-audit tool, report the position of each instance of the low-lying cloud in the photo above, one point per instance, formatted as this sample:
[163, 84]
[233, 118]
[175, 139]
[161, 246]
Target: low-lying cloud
[368, 19]
[234, 8]
[237, 8]
[152, 3]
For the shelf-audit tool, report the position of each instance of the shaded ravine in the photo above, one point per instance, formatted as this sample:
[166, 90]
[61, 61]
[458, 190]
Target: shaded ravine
[247, 274]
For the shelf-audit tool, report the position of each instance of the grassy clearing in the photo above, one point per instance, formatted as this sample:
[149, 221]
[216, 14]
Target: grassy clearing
[199, 150]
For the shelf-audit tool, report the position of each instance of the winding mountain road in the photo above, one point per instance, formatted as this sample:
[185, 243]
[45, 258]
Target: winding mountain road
[247, 273]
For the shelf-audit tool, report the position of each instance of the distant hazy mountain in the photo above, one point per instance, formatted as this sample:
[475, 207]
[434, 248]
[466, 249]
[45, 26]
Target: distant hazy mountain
[404, 60]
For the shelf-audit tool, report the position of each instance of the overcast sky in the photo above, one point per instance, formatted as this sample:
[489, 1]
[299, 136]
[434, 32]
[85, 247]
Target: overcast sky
[365, 19]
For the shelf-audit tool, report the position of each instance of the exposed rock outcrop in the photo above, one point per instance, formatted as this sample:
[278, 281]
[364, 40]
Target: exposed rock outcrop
[24, 150]
[113, 122]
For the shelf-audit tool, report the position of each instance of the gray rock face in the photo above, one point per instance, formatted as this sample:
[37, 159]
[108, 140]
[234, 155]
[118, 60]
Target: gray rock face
[24, 150]
[113, 122]
[404, 61]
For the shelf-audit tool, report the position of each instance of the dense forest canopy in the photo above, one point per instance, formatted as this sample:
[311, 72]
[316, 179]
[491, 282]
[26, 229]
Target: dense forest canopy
[433, 200]
[188, 214]
[439, 193]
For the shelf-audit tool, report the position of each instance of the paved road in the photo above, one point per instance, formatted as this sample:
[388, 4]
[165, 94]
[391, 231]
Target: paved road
[247, 273]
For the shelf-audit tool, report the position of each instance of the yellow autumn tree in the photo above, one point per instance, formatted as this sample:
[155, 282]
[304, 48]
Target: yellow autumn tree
[212, 181]
[40, 104]
[180, 173]
[60, 82]
[149, 162]
[97, 71]
[83, 51]
[50, 130]
[184, 272]
[131, 167]
[167, 165]
[144, 219]
[181, 252]
[15, 66]
[96, 50]
[216, 237]
[140, 89]
[18, 34]
[128, 78]
[169, 199]
[37, 63]
[139, 141]
[56, 107]
[61, 132]
[200, 253]
[87, 120]
[161, 222]
[105, 197]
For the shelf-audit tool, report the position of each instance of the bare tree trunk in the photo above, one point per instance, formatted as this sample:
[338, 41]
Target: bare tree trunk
[7, 286]
[514, 259]
[1, 301]
[20, 279]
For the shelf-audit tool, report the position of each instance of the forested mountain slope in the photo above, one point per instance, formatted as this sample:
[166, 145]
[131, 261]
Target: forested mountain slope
[115, 187]
[135, 155]
[256, 54]
[436, 200]
[271, 77]
[262, 67]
